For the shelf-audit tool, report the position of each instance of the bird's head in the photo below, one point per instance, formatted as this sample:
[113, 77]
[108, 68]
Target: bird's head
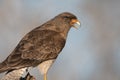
[68, 19]
[62, 23]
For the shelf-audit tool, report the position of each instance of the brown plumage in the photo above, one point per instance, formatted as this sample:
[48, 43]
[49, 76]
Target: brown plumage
[41, 44]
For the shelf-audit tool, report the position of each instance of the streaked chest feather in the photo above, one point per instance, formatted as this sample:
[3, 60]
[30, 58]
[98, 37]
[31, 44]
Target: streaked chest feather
[14, 75]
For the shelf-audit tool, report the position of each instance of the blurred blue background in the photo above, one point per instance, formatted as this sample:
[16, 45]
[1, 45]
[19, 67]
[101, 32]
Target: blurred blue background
[91, 53]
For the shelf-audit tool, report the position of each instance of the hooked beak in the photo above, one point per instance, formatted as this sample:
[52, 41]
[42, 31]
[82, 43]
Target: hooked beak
[75, 21]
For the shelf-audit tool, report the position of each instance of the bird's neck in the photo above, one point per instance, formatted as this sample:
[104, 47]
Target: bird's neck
[61, 28]
[64, 32]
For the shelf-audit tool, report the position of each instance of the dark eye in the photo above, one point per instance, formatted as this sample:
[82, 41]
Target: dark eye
[66, 17]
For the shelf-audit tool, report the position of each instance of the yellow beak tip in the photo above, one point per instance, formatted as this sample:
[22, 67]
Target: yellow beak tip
[78, 23]
[76, 26]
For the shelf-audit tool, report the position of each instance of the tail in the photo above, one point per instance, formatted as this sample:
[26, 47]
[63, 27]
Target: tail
[3, 67]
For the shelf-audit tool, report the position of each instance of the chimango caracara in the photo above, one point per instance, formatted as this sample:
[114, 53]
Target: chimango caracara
[40, 47]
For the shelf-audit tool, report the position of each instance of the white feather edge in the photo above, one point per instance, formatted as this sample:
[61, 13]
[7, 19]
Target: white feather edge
[14, 75]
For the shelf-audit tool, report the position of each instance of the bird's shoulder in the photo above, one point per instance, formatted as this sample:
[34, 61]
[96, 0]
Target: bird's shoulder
[36, 37]
[40, 44]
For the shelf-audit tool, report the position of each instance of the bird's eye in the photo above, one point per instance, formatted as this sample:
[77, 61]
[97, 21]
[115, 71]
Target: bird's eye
[66, 17]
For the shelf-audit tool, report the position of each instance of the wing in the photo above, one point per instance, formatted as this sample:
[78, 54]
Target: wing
[36, 47]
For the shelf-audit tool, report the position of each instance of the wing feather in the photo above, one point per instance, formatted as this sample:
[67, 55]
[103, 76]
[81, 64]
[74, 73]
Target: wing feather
[36, 47]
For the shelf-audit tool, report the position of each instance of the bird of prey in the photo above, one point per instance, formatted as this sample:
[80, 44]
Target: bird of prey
[40, 47]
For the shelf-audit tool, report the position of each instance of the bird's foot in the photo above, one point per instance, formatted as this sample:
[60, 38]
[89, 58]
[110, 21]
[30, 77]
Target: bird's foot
[28, 77]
